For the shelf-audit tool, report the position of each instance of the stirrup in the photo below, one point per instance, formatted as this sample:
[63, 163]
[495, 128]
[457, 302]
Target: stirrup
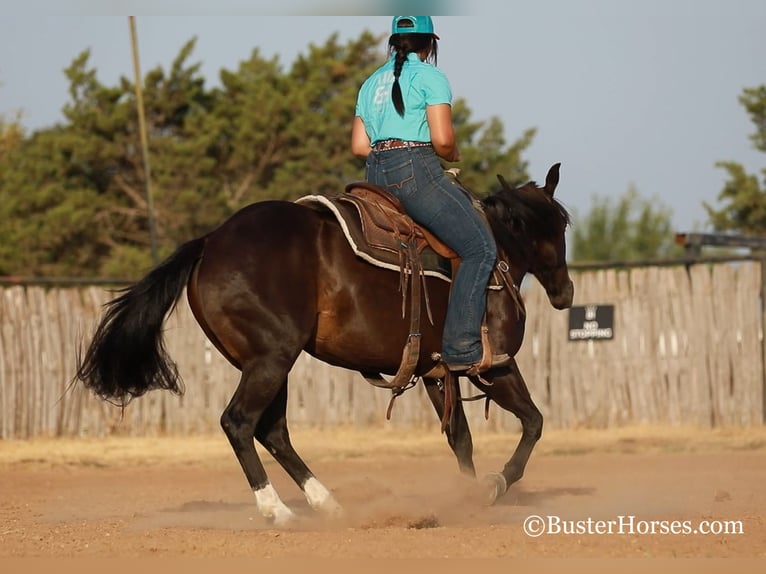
[473, 369]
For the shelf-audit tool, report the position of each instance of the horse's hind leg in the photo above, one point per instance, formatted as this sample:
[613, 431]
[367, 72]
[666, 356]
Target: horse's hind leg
[458, 432]
[272, 433]
[239, 421]
[510, 392]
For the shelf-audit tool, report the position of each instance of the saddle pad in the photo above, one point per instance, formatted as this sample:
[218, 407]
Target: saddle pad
[377, 253]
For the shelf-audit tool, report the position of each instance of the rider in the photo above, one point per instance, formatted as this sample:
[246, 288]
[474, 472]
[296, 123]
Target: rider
[402, 126]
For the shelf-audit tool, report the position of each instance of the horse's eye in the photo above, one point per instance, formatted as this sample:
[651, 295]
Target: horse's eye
[548, 254]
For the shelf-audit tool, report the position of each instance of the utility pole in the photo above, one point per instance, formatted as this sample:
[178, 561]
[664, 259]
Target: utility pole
[144, 141]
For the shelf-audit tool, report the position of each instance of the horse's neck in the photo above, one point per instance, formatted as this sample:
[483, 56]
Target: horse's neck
[518, 276]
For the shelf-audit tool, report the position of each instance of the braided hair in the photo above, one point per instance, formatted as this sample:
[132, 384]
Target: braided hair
[402, 45]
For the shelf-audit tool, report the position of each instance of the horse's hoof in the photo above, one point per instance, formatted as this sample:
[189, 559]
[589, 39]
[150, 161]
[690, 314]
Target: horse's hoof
[282, 518]
[331, 509]
[320, 499]
[494, 487]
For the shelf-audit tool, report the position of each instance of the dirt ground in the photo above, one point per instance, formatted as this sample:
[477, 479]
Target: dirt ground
[402, 494]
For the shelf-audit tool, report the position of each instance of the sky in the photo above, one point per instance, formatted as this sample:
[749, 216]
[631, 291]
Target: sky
[624, 93]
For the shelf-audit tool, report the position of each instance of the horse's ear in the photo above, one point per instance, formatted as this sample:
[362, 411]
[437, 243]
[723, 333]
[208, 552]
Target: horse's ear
[503, 183]
[552, 179]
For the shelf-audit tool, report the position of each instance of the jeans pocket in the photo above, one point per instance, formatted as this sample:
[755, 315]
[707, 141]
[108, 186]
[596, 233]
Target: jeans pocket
[400, 177]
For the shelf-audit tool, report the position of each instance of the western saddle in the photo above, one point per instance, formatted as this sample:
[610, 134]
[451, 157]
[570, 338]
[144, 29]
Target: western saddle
[379, 230]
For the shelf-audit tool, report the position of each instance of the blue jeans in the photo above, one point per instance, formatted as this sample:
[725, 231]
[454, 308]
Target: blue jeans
[415, 176]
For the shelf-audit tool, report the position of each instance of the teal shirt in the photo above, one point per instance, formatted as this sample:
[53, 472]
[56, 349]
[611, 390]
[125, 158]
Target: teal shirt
[422, 85]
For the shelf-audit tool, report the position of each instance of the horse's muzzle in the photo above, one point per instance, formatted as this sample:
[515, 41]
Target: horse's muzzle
[562, 298]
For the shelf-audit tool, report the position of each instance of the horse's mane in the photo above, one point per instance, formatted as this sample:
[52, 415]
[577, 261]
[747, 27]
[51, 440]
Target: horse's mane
[527, 210]
[520, 215]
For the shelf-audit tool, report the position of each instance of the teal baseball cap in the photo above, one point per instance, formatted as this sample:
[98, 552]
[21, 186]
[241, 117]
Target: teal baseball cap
[413, 25]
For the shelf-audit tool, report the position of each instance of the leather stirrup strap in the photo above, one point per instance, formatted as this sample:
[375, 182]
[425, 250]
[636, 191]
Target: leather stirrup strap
[450, 398]
[411, 352]
[486, 348]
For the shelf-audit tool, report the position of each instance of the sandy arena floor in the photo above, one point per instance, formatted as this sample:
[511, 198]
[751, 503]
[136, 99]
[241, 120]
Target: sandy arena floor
[402, 494]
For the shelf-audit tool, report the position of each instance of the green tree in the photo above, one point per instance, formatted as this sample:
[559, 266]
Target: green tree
[11, 134]
[743, 195]
[485, 153]
[73, 196]
[282, 134]
[629, 229]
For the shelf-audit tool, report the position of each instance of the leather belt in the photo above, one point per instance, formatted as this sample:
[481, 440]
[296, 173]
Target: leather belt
[385, 145]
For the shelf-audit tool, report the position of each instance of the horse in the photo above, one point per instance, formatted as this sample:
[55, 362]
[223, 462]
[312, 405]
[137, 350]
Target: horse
[278, 278]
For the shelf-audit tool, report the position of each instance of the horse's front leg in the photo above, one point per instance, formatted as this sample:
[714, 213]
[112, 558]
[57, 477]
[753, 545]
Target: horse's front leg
[458, 432]
[510, 392]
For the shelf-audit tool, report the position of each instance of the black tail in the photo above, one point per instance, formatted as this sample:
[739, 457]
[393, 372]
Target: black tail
[127, 356]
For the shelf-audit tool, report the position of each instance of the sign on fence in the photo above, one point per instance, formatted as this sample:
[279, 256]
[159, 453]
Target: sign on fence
[591, 322]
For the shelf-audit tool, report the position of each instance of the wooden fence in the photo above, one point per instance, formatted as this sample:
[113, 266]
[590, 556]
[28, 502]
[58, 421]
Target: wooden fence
[687, 350]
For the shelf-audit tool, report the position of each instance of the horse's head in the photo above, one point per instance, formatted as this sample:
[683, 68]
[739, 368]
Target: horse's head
[530, 226]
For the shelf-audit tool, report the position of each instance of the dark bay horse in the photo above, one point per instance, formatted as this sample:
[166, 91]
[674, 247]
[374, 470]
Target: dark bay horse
[278, 278]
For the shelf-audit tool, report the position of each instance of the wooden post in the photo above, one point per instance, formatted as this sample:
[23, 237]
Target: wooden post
[693, 243]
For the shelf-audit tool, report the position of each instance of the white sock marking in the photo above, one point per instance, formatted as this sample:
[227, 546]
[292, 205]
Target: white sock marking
[271, 506]
[319, 498]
